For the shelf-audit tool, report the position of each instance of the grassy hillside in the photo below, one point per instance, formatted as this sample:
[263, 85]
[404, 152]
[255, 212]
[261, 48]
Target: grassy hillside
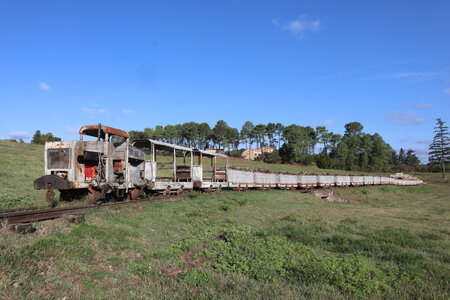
[20, 165]
[389, 242]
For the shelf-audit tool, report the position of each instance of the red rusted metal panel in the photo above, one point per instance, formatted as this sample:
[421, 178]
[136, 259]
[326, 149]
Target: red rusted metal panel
[92, 130]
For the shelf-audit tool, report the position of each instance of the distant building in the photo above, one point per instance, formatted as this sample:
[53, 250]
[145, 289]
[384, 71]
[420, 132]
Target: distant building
[252, 154]
[221, 151]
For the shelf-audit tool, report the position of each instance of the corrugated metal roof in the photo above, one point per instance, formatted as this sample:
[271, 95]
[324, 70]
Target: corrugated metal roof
[211, 153]
[148, 142]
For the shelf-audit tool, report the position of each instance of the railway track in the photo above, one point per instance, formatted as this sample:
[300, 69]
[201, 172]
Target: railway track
[32, 214]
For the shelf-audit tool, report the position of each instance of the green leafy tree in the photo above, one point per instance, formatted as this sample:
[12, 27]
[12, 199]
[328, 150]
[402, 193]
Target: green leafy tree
[335, 138]
[190, 133]
[270, 133]
[148, 133]
[401, 158]
[232, 138]
[322, 137]
[219, 133]
[135, 135]
[39, 138]
[178, 134]
[170, 133]
[204, 135]
[246, 133]
[258, 133]
[342, 155]
[158, 134]
[298, 140]
[440, 147]
[279, 131]
[411, 159]
[36, 137]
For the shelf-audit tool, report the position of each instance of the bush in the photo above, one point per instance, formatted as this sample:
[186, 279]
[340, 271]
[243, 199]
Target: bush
[272, 158]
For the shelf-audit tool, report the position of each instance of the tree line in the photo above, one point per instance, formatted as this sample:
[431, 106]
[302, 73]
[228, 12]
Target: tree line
[355, 150]
[39, 138]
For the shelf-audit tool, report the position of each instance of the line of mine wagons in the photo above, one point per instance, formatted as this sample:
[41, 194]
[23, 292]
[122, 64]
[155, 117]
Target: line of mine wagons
[172, 174]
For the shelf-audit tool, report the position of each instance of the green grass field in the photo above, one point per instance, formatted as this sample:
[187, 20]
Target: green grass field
[391, 242]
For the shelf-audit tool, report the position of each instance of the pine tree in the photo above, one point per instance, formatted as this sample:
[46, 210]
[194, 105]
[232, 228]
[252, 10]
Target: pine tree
[440, 148]
[37, 137]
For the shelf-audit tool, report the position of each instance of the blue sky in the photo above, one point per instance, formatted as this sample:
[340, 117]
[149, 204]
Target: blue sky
[136, 64]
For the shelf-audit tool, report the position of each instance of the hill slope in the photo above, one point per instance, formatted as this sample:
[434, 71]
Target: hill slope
[21, 164]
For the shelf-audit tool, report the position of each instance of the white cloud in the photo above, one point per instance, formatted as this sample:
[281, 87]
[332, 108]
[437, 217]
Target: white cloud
[446, 91]
[398, 117]
[93, 110]
[424, 141]
[44, 86]
[424, 106]
[299, 26]
[19, 135]
[403, 140]
[128, 111]
[328, 122]
[71, 129]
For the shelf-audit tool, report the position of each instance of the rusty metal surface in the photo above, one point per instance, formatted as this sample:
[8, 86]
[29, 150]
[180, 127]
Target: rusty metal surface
[55, 181]
[92, 130]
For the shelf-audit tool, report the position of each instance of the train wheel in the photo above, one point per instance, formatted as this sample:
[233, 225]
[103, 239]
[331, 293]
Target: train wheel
[94, 197]
[135, 193]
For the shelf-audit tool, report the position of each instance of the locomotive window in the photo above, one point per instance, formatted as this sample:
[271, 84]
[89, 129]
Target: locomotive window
[58, 158]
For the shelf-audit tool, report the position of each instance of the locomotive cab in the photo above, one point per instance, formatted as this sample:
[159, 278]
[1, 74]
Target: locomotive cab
[105, 168]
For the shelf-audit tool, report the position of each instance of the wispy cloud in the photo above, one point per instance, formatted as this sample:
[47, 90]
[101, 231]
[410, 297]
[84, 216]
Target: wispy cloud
[328, 122]
[94, 110]
[128, 111]
[403, 140]
[427, 142]
[19, 135]
[299, 26]
[363, 68]
[398, 117]
[44, 86]
[403, 75]
[424, 106]
[446, 91]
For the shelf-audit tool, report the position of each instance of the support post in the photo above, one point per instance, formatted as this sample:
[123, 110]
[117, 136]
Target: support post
[174, 166]
[215, 161]
[153, 153]
[192, 162]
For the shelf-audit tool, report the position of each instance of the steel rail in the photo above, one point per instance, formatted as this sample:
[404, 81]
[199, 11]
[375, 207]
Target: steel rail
[26, 216]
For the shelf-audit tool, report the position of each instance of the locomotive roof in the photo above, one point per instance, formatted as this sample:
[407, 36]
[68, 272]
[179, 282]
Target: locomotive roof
[92, 130]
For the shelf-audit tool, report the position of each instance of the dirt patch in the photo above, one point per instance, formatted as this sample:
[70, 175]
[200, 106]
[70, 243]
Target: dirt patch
[172, 271]
[191, 261]
[189, 258]
[331, 197]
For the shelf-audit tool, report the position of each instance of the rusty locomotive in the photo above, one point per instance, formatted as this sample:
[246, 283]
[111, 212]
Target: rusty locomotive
[111, 167]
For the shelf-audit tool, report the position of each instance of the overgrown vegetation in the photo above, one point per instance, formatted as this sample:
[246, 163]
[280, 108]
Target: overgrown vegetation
[393, 242]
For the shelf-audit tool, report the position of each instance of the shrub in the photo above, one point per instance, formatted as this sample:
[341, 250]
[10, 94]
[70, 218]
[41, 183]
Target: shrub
[197, 277]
